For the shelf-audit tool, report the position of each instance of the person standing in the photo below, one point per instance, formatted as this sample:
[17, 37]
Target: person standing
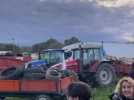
[124, 89]
[131, 74]
[78, 91]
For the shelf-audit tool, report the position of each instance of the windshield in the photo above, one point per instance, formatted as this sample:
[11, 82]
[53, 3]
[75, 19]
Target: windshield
[52, 57]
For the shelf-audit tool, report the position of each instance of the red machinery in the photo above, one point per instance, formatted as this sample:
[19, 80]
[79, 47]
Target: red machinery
[39, 89]
[7, 61]
[88, 60]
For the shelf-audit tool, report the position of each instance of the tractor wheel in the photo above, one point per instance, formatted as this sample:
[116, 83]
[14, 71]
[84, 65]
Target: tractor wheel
[33, 74]
[66, 73]
[105, 74]
[43, 97]
[53, 74]
[2, 98]
[11, 73]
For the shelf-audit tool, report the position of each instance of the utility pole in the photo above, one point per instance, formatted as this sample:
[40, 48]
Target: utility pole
[13, 46]
[102, 42]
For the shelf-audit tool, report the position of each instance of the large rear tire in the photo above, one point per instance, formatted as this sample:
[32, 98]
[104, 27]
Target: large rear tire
[105, 74]
[66, 73]
[34, 74]
[2, 98]
[52, 74]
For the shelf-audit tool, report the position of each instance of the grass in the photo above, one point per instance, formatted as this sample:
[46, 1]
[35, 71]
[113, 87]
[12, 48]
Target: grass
[102, 93]
[16, 98]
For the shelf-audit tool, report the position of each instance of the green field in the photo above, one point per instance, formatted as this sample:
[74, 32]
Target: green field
[102, 93]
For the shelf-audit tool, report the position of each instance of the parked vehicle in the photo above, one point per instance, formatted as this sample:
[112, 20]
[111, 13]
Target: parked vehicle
[29, 80]
[35, 64]
[88, 60]
[8, 60]
[38, 89]
[35, 69]
[52, 56]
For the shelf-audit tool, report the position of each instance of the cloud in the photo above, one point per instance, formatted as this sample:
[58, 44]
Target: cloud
[61, 1]
[86, 19]
[115, 3]
[128, 37]
[68, 1]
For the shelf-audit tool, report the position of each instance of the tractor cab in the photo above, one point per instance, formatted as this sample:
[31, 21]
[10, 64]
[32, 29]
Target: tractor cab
[85, 54]
[52, 56]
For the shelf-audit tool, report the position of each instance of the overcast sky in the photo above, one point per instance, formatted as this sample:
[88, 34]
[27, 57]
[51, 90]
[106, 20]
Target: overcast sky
[32, 21]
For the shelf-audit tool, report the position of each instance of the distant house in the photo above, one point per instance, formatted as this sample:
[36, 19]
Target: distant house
[35, 56]
[6, 53]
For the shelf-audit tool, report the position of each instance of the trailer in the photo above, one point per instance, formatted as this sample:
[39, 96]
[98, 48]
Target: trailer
[38, 89]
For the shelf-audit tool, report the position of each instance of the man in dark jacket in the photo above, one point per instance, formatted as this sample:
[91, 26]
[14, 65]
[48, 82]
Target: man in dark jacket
[131, 74]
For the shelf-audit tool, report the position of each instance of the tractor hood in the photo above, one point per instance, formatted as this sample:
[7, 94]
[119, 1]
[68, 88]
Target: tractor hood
[35, 63]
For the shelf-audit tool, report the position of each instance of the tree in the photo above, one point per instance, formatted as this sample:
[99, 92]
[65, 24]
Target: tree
[26, 49]
[11, 47]
[49, 44]
[71, 40]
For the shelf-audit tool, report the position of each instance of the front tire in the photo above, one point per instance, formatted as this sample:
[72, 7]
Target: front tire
[105, 74]
[43, 97]
[2, 98]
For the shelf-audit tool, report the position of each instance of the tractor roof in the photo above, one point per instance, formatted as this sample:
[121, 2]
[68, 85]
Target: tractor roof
[82, 45]
[47, 50]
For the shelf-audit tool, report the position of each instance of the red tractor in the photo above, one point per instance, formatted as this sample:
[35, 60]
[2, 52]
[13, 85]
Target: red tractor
[88, 60]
